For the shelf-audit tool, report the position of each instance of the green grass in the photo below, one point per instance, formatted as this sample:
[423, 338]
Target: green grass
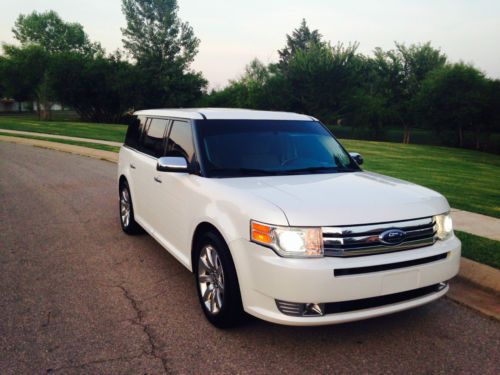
[69, 142]
[470, 180]
[108, 132]
[482, 250]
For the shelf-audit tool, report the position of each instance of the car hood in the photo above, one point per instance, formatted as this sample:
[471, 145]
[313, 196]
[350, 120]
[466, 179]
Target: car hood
[342, 198]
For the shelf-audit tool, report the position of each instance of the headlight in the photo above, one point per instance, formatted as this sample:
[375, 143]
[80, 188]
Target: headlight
[288, 241]
[444, 226]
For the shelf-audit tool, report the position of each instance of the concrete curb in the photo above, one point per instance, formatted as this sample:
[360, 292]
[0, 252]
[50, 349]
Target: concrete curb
[477, 286]
[480, 290]
[72, 149]
[480, 274]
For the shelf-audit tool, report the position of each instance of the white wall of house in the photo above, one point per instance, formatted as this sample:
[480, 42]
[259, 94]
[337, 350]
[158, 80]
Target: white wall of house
[7, 105]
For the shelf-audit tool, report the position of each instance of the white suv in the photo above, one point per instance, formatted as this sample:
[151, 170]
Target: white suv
[275, 218]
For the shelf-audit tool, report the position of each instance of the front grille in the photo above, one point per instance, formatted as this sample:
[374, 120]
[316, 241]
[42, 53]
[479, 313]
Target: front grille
[356, 240]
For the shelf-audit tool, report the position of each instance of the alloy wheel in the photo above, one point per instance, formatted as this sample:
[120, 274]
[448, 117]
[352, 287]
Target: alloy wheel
[211, 279]
[125, 207]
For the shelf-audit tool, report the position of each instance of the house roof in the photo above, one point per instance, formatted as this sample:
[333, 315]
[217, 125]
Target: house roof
[223, 114]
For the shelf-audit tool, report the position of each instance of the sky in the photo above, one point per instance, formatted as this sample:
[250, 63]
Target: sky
[233, 32]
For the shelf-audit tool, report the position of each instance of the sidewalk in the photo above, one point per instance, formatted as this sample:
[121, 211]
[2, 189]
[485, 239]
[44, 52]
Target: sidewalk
[478, 224]
[88, 140]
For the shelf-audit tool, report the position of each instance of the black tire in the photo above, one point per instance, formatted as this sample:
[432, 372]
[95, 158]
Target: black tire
[231, 312]
[129, 226]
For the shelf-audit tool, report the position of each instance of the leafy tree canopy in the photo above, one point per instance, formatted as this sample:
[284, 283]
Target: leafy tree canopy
[155, 34]
[301, 39]
[49, 31]
[453, 97]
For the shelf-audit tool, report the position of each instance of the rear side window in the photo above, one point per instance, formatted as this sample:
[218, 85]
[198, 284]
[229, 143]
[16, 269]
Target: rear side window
[152, 139]
[134, 132]
[180, 142]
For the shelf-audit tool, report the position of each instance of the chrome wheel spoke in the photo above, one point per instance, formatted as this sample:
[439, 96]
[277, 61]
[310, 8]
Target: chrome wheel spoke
[205, 278]
[218, 298]
[210, 257]
[205, 263]
[208, 292]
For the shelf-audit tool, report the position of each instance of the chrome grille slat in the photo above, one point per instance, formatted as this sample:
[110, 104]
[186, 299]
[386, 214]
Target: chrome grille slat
[377, 228]
[364, 239]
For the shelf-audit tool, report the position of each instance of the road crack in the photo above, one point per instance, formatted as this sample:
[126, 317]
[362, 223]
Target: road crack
[139, 321]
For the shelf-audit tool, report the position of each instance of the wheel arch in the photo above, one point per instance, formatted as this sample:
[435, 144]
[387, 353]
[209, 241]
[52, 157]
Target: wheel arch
[122, 180]
[201, 229]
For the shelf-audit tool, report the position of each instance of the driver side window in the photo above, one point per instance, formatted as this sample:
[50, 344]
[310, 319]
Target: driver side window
[180, 140]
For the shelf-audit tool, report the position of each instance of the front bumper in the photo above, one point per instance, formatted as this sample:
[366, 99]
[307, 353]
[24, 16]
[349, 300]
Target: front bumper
[265, 277]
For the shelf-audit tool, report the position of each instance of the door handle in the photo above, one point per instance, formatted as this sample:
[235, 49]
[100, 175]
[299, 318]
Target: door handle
[157, 179]
[132, 166]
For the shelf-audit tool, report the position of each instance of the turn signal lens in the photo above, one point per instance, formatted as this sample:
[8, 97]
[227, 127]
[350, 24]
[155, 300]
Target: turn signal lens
[289, 241]
[261, 233]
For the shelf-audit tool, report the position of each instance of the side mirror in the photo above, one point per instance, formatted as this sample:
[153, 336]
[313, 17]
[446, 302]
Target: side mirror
[172, 164]
[357, 157]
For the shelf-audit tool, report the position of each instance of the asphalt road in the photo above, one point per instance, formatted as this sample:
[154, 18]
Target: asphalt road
[79, 296]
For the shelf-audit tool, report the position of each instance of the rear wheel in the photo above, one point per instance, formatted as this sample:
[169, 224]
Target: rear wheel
[217, 283]
[127, 220]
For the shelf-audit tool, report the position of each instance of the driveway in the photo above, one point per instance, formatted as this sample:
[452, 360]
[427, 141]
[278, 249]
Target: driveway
[79, 296]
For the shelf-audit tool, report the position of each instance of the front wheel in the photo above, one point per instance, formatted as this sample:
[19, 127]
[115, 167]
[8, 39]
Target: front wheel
[217, 283]
[127, 219]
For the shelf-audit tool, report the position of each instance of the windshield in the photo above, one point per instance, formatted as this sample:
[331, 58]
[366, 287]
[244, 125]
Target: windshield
[236, 148]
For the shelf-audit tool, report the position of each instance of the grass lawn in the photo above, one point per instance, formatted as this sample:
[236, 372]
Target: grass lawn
[69, 142]
[482, 250]
[469, 179]
[108, 132]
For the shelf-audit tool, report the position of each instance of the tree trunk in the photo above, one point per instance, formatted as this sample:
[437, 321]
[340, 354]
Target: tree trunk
[460, 136]
[478, 133]
[38, 109]
[406, 134]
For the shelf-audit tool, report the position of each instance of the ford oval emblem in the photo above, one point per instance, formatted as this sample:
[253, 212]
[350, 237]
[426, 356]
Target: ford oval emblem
[392, 237]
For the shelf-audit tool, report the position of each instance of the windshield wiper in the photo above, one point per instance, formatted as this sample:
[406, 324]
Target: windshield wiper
[319, 169]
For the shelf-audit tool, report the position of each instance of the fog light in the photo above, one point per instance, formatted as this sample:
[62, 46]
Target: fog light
[312, 309]
[301, 309]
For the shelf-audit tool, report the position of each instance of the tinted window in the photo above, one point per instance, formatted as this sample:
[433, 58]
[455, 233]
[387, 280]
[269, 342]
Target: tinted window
[180, 142]
[152, 140]
[134, 131]
[245, 147]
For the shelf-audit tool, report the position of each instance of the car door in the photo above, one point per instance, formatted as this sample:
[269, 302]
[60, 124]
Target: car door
[173, 199]
[151, 147]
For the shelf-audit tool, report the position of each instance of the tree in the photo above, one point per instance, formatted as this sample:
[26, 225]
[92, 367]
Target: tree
[454, 97]
[491, 117]
[301, 39]
[102, 89]
[403, 70]
[163, 47]
[24, 76]
[322, 80]
[49, 31]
